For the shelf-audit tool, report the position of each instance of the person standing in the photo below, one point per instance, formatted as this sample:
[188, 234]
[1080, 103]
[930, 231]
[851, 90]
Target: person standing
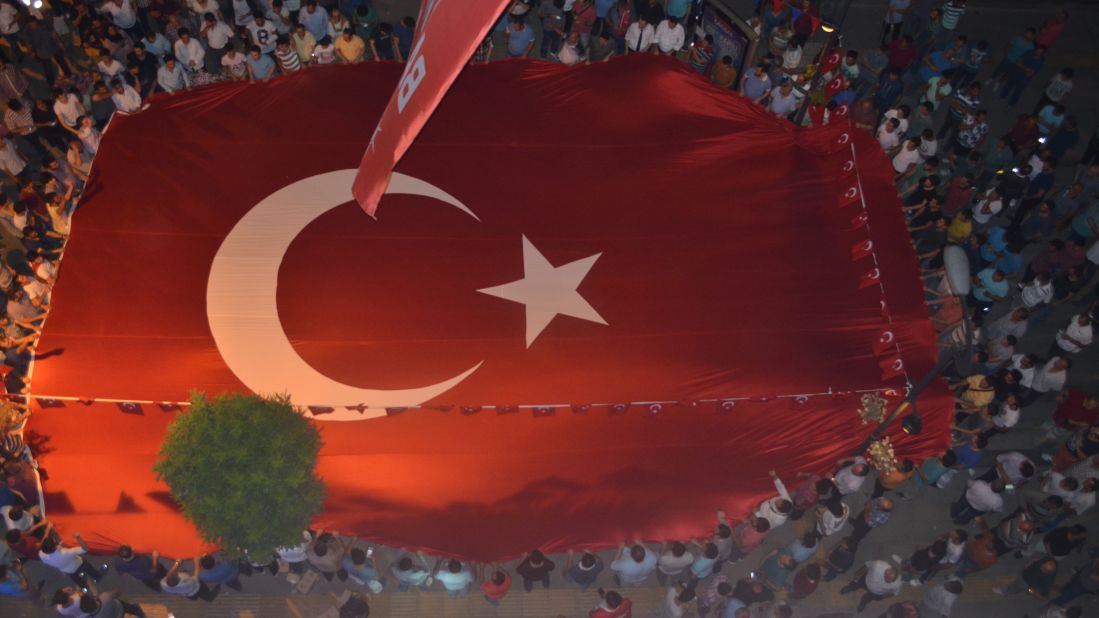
[878, 578]
[535, 567]
[895, 12]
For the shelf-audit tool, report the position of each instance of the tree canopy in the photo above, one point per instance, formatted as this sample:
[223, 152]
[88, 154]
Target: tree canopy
[243, 468]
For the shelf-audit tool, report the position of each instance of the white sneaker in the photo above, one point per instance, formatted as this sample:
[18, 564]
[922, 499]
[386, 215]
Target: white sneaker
[915, 582]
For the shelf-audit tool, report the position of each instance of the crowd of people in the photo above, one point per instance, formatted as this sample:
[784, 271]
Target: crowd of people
[1026, 217]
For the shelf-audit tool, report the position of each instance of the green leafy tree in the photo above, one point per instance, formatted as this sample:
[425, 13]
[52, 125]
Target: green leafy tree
[243, 468]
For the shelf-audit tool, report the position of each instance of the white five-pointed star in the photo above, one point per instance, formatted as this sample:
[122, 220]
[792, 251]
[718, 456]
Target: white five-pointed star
[547, 290]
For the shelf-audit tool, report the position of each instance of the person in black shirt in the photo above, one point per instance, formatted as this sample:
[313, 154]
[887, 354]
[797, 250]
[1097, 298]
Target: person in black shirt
[1062, 541]
[145, 568]
[839, 560]
[924, 562]
[535, 567]
[142, 66]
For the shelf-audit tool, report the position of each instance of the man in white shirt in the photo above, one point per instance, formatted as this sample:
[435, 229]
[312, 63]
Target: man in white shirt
[68, 560]
[987, 206]
[880, 580]
[908, 156]
[851, 475]
[1051, 377]
[634, 569]
[888, 135]
[263, 33]
[1012, 467]
[639, 36]
[123, 14]
[980, 497]
[940, 599]
[670, 36]
[187, 585]
[833, 515]
[776, 510]
[171, 77]
[189, 52]
[217, 35]
[67, 107]
[783, 100]
[125, 98]
[1074, 337]
[673, 561]
[11, 162]
[1039, 291]
[1025, 365]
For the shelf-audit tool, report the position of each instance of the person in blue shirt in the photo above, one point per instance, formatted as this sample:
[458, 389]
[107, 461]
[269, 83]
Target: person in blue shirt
[315, 19]
[1015, 50]
[408, 573]
[519, 37]
[455, 577]
[403, 33]
[360, 568]
[968, 454]
[1021, 73]
[212, 571]
[1085, 226]
[935, 63]
[12, 581]
[703, 565]
[260, 66]
[889, 90]
[989, 287]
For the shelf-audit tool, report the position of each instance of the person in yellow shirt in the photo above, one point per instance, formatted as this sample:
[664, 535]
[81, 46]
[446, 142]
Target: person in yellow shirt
[723, 74]
[303, 42]
[961, 228]
[350, 48]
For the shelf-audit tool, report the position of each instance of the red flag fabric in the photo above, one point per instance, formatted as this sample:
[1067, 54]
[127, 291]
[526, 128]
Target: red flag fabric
[445, 290]
[832, 60]
[447, 33]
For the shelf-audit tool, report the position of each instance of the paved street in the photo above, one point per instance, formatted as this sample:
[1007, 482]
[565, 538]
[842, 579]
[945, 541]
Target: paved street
[915, 523]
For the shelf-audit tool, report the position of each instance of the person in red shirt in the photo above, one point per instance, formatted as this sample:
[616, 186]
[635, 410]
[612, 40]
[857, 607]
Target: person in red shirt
[613, 605]
[1076, 409]
[1052, 30]
[959, 194]
[28, 543]
[495, 587]
[1024, 135]
[979, 555]
[901, 54]
[748, 536]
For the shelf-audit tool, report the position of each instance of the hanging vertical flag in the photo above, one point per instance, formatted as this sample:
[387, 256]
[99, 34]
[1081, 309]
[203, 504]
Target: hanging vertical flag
[447, 33]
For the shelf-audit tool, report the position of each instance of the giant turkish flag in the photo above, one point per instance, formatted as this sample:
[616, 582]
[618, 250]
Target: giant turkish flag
[615, 233]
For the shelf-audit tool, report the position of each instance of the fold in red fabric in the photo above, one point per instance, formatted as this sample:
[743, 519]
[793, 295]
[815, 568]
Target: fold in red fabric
[725, 269]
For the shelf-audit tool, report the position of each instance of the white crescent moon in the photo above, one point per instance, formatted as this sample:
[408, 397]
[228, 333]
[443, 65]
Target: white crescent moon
[241, 302]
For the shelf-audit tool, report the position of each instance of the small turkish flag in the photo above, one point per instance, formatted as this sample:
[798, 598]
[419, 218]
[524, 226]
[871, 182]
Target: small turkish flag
[891, 368]
[320, 410]
[848, 168]
[50, 403]
[859, 221]
[725, 407]
[870, 278]
[394, 411]
[831, 61]
[470, 410]
[833, 86]
[543, 411]
[168, 406]
[619, 408]
[87, 401]
[862, 250]
[360, 408]
[842, 394]
[799, 402]
[581, 408]
[656, 408]
[885, 342]
[128, 407]
[850, 195]
[841, 111]
[502, 410]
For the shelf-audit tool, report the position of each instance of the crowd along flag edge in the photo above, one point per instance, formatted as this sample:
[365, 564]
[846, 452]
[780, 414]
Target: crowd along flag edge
[447, 34]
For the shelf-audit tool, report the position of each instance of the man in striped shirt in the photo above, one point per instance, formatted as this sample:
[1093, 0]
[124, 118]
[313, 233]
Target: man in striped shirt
[952, 12]
[289, 62]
